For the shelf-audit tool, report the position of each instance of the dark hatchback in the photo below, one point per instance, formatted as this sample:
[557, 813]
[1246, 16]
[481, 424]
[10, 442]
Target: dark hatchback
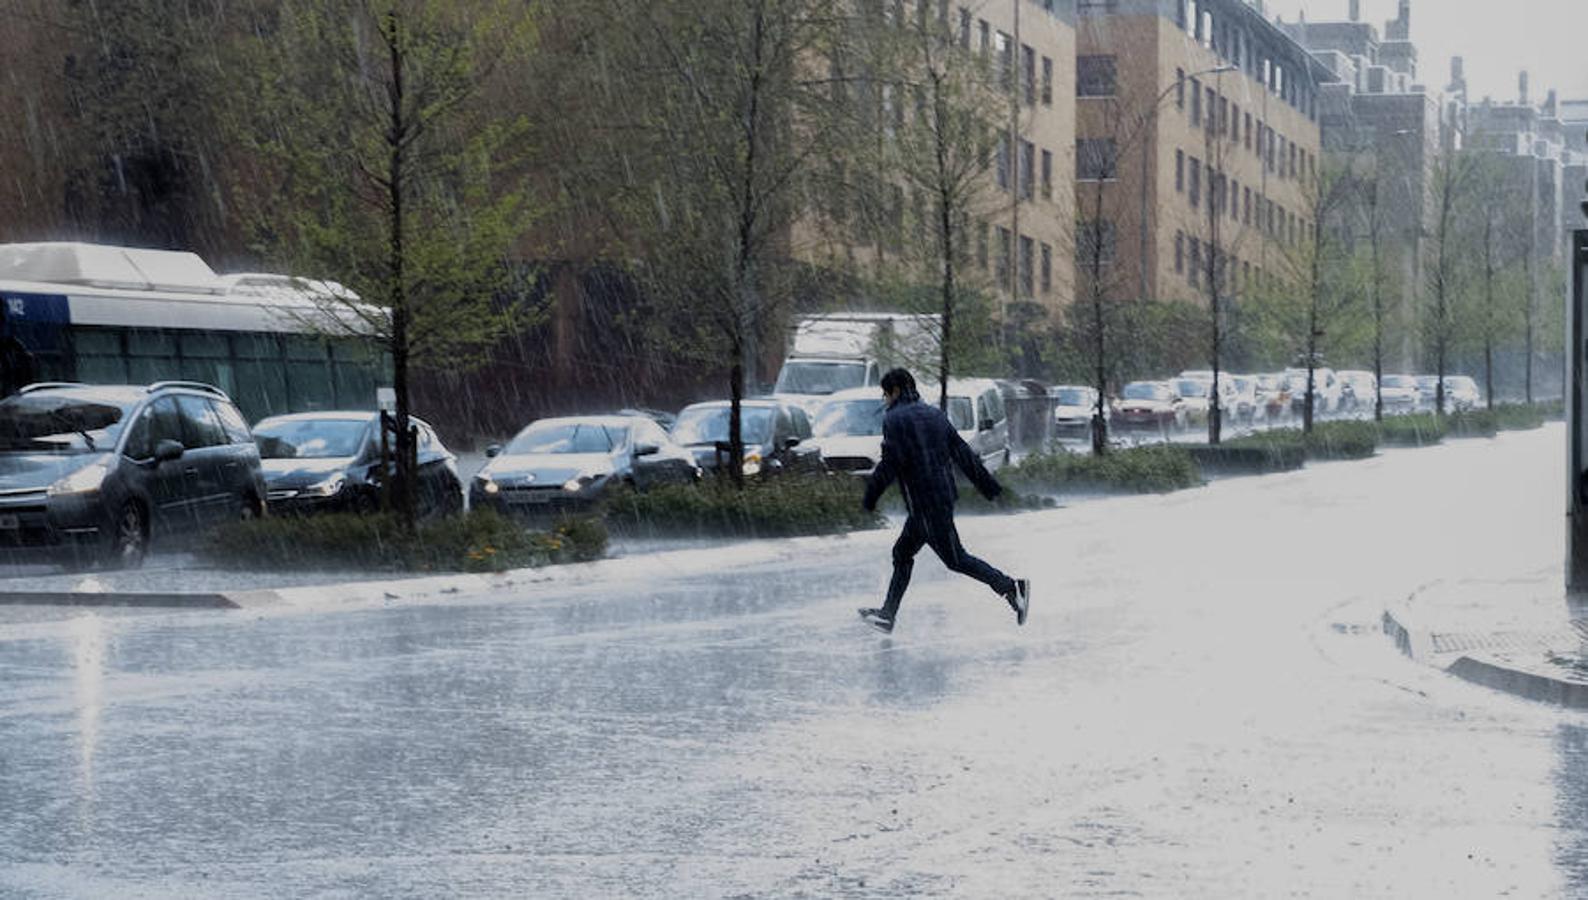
[94, 473]
[776, 435]
[330, 462]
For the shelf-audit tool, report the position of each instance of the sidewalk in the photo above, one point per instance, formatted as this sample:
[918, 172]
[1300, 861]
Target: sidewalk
[1521, 635]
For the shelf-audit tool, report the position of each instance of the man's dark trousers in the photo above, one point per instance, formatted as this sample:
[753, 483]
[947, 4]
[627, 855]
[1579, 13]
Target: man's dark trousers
[934, 527]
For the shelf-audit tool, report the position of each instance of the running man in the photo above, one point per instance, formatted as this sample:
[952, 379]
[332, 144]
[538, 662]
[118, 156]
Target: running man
[919, 450]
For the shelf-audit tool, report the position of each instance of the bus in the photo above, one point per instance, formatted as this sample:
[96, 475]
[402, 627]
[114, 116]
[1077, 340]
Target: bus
[276, 344]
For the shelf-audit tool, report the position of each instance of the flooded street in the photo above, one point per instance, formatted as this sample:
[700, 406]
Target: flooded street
[1193, 710]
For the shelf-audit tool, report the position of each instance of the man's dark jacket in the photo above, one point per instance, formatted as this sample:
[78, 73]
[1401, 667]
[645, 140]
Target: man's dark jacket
[919, 449]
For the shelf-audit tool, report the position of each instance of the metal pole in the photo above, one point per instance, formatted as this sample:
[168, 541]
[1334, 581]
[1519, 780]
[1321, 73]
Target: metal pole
[1576, 420]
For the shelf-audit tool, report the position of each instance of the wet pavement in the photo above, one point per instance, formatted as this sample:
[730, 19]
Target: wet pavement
[1201, 705]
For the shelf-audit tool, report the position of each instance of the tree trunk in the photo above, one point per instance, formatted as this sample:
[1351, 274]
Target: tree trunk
[402, 484]
[735, 424]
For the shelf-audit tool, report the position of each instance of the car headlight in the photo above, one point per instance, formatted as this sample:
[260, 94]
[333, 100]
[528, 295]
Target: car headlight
[329, 487]
[83, 481]
[488, 484]
[752, 464]
[580, 482]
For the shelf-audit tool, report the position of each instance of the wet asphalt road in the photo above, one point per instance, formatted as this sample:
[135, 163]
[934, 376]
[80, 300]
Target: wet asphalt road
[1200, 706]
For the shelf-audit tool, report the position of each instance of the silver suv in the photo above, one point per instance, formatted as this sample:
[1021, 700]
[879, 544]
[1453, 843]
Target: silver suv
[91, 474]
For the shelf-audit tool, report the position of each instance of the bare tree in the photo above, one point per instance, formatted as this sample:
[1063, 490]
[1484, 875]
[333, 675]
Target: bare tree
[1452, 172]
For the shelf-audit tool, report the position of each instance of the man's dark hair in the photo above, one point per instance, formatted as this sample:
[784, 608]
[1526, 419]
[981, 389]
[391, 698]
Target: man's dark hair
[900, 380]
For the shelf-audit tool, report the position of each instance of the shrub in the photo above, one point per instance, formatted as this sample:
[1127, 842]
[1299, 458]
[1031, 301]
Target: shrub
[1246, 456]
[1328, 440]
[1140, 470]
[1522, 416]
[772, 507]
[1472, 423]
[481, 541]
[1419, 430]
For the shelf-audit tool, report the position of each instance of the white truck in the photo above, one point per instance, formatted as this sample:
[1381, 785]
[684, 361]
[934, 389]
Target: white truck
[838, 351]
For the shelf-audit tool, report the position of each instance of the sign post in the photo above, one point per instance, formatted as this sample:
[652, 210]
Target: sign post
[1577, 418]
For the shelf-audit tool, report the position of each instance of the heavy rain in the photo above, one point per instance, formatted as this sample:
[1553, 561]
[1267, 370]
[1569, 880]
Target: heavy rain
[500, 448]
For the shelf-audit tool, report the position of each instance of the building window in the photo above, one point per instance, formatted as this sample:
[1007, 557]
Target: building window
[1179, 171]
[1047, 175]
[1047, 269]
[1047, 81]
[1001, 161]
[1096, 159]
[1196, 183]
[1235, 200]
[964, 28]
[1196, 102]
[1028, 260]
[1028, 74]
[1095, 76]
[1247, 195]
[1179, 253]
[1179, 88]
[1246, 136]
[1235, 122]
[986, 36]
[1196, 263]
[1096, 242]
[1028, 169]
[1212, 110]
[1001, 266]
[1004, 48]
[1224, 116]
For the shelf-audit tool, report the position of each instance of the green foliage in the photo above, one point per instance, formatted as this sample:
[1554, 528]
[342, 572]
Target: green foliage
[481, 541]
[1139, 470]
[1418, 430]
[1328, 440]
[1245, 456]
[1489, 422]
[770, 507]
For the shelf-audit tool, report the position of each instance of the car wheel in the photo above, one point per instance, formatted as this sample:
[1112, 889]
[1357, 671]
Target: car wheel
[249, 509]
[129, 538]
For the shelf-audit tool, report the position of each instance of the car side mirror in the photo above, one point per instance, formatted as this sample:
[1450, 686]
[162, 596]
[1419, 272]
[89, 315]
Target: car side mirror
[791, 443]
[167, 450]
[493, 450]
[986, 424]
[646, 449]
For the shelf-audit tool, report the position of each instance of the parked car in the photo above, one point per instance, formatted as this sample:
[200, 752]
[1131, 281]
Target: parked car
[976, 410]
[776, 435]
[1073, 412]
[848, 430]
[561, 464]
[1196, 396]
[1245, 404]
[331, 462]
[1151, 406]
[1461, 393]
[1358, 390]
[660, 417]
[1273, 398]
[95, 473]
[1325, 391]
[1400, 393]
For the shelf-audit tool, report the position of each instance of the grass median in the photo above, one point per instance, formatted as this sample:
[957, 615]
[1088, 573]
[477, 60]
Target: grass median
[1137, 470]
[774, 507]
[480, 541]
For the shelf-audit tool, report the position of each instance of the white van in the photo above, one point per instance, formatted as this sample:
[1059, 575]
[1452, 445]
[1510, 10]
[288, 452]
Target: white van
[976, 410]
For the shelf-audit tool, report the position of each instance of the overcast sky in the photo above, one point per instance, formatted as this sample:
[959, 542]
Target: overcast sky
[1546, 37]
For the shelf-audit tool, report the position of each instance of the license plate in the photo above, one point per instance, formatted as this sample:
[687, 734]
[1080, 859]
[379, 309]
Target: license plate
[534, 497]
[10, 521]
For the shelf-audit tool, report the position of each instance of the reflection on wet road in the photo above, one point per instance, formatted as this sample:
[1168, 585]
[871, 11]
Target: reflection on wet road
[1181, 717]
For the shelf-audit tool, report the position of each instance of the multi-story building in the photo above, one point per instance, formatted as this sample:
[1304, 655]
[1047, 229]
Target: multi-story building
[1197, 134]
[1381, 122]
[1015, 216]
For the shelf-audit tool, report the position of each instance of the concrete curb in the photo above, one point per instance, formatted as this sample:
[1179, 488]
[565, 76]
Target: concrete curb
[1512, 679]
[116, 598]
[1490, 672]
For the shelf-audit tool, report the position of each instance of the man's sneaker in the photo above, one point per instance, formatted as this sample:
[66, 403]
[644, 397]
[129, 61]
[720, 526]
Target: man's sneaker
[1020, 600]
[877, 620]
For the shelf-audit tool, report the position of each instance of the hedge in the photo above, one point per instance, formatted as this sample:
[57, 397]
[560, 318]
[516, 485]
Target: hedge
[1137, 470]
[481, 541]
[773, 507]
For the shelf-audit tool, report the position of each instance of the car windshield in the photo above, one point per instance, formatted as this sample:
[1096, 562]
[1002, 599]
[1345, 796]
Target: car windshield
[1463, 382]
[1144, 390]
[1074, 397]
[1192, 388]
[709, 424]
[850, 418]
[310, 438]
[1399, 381]
[959, 414]
[569, 437]
[805, 377]
[1427, 381]
[58, 423]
